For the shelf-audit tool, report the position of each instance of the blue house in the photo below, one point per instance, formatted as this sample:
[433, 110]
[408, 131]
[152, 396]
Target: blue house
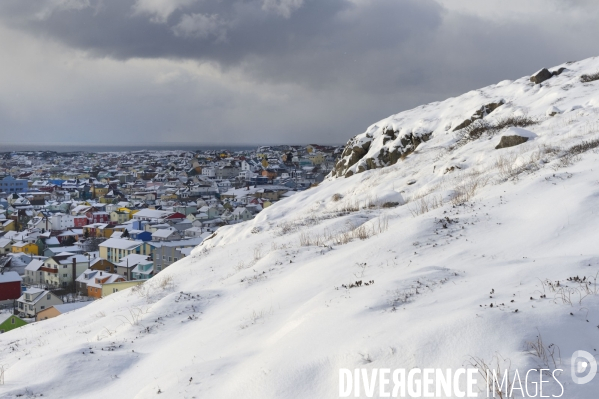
[11, 185]
[143, 271]
[140, 235]
[138, 224]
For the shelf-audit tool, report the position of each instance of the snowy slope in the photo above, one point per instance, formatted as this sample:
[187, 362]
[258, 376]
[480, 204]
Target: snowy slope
[262, 309]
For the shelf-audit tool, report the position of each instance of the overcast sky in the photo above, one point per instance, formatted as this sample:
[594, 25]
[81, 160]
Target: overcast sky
[261, 71]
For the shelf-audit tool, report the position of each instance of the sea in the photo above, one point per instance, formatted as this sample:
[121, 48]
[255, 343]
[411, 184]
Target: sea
[123, 148]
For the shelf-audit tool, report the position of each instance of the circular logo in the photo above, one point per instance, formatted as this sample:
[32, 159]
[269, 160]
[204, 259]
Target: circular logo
[584, 367]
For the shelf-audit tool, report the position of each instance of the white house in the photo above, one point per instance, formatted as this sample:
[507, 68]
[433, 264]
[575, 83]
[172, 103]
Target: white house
[33, 272]
[241, 214]
[35, 300]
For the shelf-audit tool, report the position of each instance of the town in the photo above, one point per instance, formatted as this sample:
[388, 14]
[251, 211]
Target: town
[79, 226]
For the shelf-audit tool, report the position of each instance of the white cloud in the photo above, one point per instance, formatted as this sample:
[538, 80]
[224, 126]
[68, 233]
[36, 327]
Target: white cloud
[282, 7]
[59, 5]
[159, 10]
[201, 26]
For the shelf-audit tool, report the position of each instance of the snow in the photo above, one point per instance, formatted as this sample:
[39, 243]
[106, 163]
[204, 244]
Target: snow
[121, 243]
[10, 277]
[68, 307]
[261, 310]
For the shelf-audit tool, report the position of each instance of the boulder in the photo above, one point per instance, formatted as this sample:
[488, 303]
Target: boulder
[541, 76]
[515, 136]
[510, 141]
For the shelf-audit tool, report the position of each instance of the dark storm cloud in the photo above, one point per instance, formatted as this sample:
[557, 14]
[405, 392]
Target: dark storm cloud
[263, 70]
[318, 42]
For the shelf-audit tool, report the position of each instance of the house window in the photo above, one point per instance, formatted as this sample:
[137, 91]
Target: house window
[42, 307]
[64, 266]
[163, 257]
[65, 275]
[49, 296]
[169, 258]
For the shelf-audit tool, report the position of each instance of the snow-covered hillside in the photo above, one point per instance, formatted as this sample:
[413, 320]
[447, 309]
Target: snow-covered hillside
[449, 257]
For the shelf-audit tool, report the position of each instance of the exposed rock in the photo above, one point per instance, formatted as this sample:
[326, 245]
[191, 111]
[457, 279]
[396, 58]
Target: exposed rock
[451, 169]
[552, 111]
[515, 136]
[558, 72]
[511, 141]
[541, 76]
[481, 113]
[354, 153]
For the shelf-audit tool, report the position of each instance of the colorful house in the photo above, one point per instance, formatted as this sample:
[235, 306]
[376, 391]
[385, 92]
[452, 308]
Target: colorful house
[10, 285]
[114, 249]
[57, 310]
[10, 322]
[111, 288]
[94, 288]
[24, 247]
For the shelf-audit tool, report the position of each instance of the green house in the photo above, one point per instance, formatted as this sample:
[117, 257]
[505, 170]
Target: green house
[9, 322]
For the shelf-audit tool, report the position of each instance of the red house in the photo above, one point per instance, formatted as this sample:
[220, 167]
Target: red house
[79, 221]
[175, 216]
[98, 217]
[10, 286]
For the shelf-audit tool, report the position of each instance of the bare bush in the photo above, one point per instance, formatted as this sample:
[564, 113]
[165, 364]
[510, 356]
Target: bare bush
[468, 187]
[481, 127]
[496, 375]
[135, 315]
[257, 253]
[549, 356]
[425, 204]
[336, 197]
[586, 78]
[165, 283]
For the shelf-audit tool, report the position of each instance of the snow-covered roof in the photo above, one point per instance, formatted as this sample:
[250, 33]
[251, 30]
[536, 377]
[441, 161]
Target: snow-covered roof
[34, 265]
[67, 307]
[121, 243]
[163, 233]
[132, 260]
[10, 277]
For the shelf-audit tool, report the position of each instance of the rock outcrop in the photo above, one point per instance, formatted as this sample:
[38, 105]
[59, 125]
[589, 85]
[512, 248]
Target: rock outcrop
[479, 114]
[544, 75]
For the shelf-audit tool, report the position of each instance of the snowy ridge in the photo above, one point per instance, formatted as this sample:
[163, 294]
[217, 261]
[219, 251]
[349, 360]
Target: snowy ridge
[395, 137]
[444, 259]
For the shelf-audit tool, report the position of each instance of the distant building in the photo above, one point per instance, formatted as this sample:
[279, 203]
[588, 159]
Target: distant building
[11, 185]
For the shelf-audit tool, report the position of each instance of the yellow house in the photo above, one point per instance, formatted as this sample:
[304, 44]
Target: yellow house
[24, 247]
[7, 225]
[111, 288]
[114, 249]
[119, 217]
[168, 197]
[317, 158]
[99, 191]
[129, 212]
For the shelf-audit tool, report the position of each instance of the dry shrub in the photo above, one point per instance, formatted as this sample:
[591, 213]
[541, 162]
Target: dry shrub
[425, 204]
[482, 127]
[468, 187]
[336, 197]
[586, 78]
